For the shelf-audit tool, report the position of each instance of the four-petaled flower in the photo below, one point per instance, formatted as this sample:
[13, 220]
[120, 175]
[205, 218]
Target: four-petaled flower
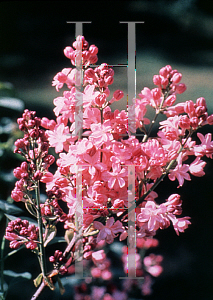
[108, 232]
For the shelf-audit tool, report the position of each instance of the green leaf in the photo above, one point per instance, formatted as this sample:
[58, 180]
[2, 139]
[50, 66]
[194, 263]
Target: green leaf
[57, 239]
[38, 280]
[69, 235]
[61, 287]
[51, 233]
[12, 103]
[30, 208]
[10, 273]
[13, 252]
[10, 208]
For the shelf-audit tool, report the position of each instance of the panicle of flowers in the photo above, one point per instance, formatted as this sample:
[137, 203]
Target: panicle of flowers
[107, 148]
[20, 232]
[101, 155]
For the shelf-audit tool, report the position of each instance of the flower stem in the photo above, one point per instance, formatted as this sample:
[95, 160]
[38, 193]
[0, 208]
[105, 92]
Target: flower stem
[40, 226]
[158, 111]
[39, 290]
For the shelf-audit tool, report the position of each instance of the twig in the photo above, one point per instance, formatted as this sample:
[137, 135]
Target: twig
[39, 290]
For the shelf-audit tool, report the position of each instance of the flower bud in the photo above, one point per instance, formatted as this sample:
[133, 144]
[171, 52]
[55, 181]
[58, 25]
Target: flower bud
[189, 107]
[93, 59]
[200, 110]
[180, 88]
[170, 100]
[157, 80]
[68, 52]
[201, 102]
[176, 78]
[109, 79]
[194, 122]
[47, 177]
[184, 122]
[93, 50]
[118, 94]
[210, 119]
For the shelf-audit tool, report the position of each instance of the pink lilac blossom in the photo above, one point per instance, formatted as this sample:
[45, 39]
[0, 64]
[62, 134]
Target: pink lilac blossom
[108, 232]
[100, 157]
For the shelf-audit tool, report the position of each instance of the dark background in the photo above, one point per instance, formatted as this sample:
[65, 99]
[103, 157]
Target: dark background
[33, 35]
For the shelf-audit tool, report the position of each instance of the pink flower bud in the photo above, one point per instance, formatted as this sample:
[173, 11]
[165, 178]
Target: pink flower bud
[109, 79]
[184, 122]
[68, 52]
[194, 122]
[44, 122]
[107, 92]
[17, 195]
[98, 257]
[101, 82]
[164, 82]
[100, 99]
[210, 119]
[156, 93]
[157, 80]
[118, 94]
[93, 50]
[63, 270]
[62, 182]
[86, 55]
[180, 88]
[34, 133]
[200, 110]
[38, 175]
[89, 73]
[93, 59]
[170, 100]
[47, 177]
[201, 102]
[176, 78]
[165, 71]
[52, 259]
[174, 199]
[189, 107]
[19, 143]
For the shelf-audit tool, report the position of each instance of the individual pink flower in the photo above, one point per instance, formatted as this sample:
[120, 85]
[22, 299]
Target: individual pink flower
[180, 224]
[180, 172]
[152, 264]
[58, 137]
[116, 178]
[101, 133]
[206, 146]
[151, 215]
[108, 232]
[196, 167]
[61, 78]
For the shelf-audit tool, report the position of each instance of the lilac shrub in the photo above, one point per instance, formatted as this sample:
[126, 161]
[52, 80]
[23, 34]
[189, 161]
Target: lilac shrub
[94, 148]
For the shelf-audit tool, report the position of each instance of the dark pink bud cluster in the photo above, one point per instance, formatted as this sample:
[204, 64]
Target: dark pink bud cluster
[101, 77]
[174, 204]
[81, 52]
[34, 148]
[20, 232]
[169, 79]
[197, 113]
[58, 259]
[52, 208]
